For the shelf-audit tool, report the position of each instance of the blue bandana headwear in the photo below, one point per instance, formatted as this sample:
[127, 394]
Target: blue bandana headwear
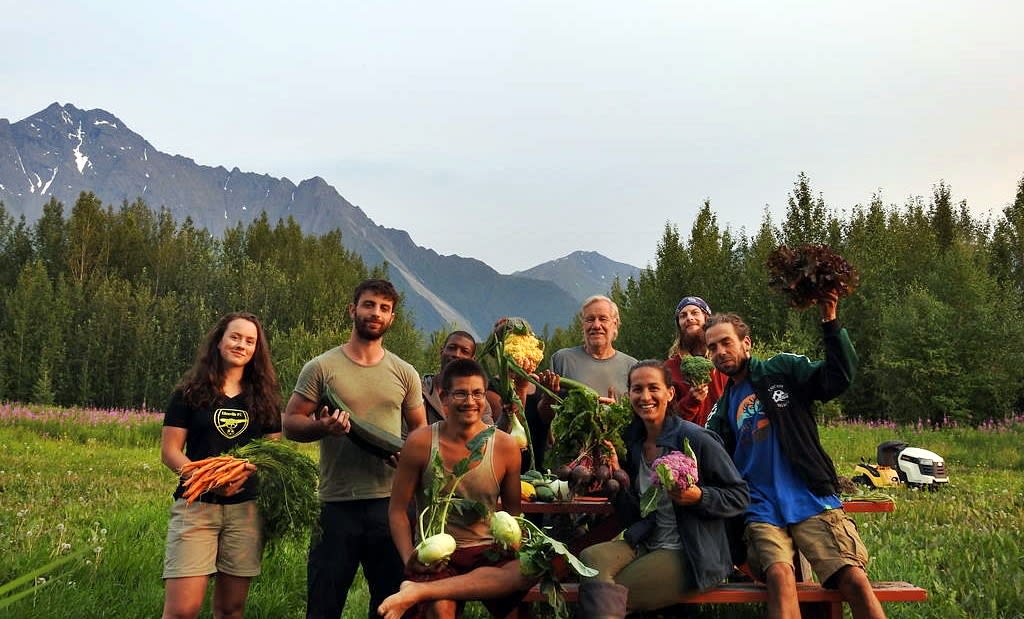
[699, 302]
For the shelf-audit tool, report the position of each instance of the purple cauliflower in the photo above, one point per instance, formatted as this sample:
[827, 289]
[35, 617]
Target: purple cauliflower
[674, 470]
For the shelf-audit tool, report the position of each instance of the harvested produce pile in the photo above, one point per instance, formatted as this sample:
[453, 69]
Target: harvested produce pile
[210, 473]
[286, 482]
[537, 486]
[808, 272]
[588, 431]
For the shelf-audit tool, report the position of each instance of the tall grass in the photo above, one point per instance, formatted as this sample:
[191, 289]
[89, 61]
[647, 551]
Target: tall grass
[74, 481]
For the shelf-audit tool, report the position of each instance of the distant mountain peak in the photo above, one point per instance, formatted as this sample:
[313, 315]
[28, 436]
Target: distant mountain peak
[62, 150]
[582, 273]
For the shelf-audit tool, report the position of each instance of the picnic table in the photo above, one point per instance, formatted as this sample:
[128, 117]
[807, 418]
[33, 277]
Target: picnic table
[815, 601]
[600, 505]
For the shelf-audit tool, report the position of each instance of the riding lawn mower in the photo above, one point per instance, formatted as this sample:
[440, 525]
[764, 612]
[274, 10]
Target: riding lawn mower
[898, 463]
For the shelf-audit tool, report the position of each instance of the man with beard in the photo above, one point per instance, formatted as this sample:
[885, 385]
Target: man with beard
[692, 402]
[458, 345]
[380, 388]
[766, 420]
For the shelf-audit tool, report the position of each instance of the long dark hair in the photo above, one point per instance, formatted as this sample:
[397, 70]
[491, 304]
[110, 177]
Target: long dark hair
[201, 385]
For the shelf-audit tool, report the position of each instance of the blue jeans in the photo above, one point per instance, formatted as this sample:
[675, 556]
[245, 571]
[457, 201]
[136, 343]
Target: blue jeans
[353, 533]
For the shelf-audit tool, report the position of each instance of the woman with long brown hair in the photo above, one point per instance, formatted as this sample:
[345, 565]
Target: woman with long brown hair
[228, 398]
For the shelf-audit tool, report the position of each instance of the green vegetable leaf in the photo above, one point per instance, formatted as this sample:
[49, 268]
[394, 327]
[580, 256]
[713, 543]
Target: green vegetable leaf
[476, 447]
[688, 449]
[286, 481]
[649, 500]
[665, 475]
[540, 540]
[438, 477]
[466, 507]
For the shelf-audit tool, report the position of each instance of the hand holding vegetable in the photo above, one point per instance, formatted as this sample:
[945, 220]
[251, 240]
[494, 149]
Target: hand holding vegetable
[234, 487]
[699, 392]
[827, 305]
[688, 496]
[215, 473]
[676, 474]
[696, 370]
[415, 566]
[511, 352]
[334, 423]
[550, 380]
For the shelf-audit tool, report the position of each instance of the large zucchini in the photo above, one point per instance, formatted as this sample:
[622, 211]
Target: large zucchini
[368, 436]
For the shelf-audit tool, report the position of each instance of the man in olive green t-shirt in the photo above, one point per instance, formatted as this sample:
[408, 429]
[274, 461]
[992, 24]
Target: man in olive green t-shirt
[378, 387]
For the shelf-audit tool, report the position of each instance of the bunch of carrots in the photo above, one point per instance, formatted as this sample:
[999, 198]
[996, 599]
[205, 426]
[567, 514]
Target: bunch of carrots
[210, 473]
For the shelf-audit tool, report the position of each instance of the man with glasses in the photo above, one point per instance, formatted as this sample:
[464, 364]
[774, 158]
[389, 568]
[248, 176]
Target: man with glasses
[479, 569]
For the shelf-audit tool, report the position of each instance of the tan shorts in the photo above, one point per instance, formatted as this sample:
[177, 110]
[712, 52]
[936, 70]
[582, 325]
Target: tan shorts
[205, 538]
[828, 540]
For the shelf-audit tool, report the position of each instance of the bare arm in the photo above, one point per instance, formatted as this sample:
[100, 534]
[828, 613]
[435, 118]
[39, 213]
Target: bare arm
[172, 447]
[410, 469]
[415, 417]
[300, 425]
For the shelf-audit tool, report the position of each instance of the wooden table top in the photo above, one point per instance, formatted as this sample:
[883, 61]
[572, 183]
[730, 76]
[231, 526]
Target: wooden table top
[599, 505]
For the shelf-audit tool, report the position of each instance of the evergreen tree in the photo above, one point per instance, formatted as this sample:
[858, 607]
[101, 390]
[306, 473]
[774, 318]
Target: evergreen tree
[50, 238]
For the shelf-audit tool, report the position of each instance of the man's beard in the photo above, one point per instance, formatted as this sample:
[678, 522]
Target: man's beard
[742, 365]
[693, 341]
[364, 332]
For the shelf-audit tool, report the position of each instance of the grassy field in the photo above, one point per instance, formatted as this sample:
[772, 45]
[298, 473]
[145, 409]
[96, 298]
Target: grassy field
[89, 485]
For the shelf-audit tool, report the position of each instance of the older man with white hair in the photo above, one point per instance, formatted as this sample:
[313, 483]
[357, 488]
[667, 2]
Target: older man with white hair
[596, 363]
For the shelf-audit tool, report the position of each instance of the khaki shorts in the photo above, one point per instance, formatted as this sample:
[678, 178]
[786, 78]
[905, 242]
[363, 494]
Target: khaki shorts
[828, 540]
[205, 538]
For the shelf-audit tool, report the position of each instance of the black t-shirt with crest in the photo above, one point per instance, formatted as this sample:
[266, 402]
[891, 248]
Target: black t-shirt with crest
[214, 431]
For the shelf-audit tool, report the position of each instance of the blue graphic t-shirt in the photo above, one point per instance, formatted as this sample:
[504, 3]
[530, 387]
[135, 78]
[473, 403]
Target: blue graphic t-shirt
[777, 494]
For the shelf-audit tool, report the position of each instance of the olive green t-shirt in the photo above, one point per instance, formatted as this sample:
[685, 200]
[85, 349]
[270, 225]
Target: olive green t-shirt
[379, 394]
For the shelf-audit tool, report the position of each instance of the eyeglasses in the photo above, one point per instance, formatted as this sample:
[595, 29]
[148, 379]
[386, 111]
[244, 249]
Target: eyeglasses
[462, 396]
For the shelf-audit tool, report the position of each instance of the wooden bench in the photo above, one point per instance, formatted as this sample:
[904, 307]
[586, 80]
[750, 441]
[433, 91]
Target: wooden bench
[815, 601]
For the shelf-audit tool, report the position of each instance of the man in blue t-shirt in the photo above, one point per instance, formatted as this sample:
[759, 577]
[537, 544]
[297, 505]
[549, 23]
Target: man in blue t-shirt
[766, 419]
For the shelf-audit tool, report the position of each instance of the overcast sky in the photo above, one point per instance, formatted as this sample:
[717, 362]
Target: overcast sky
[518, 132]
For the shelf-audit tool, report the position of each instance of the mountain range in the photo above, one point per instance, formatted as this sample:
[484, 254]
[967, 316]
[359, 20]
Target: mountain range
[62, 151]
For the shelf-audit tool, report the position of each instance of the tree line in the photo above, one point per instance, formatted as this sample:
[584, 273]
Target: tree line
[105, 306]
[935, 320]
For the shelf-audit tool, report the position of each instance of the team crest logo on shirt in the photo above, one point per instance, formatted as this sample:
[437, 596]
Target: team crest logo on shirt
[779, 396]
[230, 422]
